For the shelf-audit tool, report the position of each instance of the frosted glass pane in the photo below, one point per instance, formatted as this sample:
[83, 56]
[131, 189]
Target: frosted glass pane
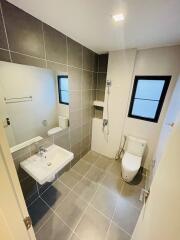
[149, 89]
[65, 96]
[64, 84]
[144, 108]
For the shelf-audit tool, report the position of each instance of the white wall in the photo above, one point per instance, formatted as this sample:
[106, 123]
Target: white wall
[122, 67]
[120, 70]
[26, 117]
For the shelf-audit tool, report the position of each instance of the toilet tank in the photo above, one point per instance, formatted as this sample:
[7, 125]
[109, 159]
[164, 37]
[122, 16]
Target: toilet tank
[135, 146]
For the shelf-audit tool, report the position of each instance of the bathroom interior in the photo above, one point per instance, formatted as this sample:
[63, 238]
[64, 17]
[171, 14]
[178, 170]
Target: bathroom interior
[88, 118]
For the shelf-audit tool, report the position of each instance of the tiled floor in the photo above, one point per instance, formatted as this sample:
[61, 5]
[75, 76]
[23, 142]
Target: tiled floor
[89, 202]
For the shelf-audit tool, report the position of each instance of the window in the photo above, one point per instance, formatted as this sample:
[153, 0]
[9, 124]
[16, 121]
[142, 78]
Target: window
[63, 89]
[147, 98]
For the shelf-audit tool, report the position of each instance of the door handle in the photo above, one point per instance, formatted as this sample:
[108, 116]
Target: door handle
[6, 123]
[144, 195]
[170, 124]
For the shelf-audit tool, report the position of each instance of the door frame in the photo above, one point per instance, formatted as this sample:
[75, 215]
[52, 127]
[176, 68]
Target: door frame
[13, 208]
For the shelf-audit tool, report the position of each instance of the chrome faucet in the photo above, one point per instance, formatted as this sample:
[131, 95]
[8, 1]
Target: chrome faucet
[42, 150]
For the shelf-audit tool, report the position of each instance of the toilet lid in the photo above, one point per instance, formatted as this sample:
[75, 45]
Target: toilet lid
[131, 162]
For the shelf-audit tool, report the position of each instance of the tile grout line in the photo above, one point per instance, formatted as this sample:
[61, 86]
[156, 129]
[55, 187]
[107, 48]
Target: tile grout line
[54, 210]
[107, 234]
[53, 183]
[4, 25]
[84, 211]
[43, 59]
[89, 204]
[67, 69]
[44, 44]
[82, 78]
[60, 181]
[83, 176]
[72, 189]
[92, 109]
[107, 172]
[32, 201]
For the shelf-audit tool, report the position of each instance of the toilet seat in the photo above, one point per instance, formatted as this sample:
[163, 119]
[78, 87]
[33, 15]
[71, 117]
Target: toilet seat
[131, 162]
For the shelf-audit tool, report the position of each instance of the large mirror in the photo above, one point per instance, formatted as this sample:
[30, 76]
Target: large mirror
[34, 102]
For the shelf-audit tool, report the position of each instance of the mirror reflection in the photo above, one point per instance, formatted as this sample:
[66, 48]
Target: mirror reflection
[34, 102]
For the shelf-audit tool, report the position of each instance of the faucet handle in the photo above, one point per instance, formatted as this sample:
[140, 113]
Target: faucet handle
[42, 149]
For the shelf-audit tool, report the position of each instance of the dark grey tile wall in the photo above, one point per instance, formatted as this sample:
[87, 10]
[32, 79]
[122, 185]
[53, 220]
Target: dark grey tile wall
[4, 55]
[100, 83]
[23, 31]
[55, 45]
[26, 40]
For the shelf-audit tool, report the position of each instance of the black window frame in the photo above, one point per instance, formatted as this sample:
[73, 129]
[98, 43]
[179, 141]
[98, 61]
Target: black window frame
[167, 80]
[60, 90]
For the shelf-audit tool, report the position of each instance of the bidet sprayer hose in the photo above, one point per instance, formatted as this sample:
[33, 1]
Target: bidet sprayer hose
[120, 150]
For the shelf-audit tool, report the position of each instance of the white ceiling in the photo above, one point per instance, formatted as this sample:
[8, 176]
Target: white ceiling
[148, 23]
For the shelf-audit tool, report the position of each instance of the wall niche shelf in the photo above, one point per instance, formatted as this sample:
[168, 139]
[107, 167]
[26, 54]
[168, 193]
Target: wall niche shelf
[98, 104]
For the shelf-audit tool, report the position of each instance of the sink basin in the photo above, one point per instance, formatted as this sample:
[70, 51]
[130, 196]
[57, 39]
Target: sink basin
[43, 168]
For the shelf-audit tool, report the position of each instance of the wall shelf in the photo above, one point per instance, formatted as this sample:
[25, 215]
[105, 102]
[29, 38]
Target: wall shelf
[25, 144]
[98, 103]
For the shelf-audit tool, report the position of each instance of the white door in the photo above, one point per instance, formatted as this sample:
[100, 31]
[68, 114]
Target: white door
[160, 216]
[13, 210]
[169, 121]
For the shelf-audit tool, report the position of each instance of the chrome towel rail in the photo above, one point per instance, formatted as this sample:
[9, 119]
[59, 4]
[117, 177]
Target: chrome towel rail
[17, 99]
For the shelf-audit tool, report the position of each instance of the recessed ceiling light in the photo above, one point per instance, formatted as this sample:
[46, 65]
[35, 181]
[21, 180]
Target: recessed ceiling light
[118, 17]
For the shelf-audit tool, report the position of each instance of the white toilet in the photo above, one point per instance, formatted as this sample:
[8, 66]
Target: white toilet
[131, 161]
[63, 123]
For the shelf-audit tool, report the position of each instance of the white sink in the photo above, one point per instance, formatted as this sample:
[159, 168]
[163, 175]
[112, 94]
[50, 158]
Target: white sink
[43, 168]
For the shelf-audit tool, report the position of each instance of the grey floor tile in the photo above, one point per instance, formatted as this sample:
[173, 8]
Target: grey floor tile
[44, 187]
[81, 167]
[105, 201]
[91, 157]
[131, 194]
[115, 168]
[93, 225]
[86, 189]
[126, 215]
[103, 162]
[104, 186]
[74, 237]
[55, 194]
[31, 199]
[95, 174]
[116, 233]
[112, 182]
[70, 178]
[39, 213]
[54, 229]
[71, 209]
